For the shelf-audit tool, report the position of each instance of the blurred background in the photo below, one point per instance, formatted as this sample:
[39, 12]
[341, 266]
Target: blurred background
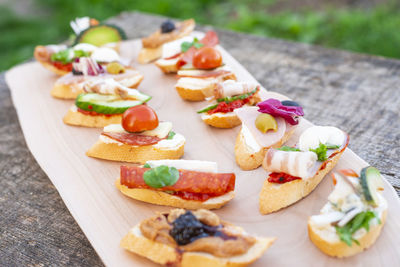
[366, 26]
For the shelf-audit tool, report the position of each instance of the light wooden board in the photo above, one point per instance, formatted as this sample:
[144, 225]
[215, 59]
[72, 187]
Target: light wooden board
[105, 215]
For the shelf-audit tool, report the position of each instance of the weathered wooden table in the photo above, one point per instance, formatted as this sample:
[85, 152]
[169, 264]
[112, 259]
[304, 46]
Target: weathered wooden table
[358, 93]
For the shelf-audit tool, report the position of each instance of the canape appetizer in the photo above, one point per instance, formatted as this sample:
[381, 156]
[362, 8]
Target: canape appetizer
[140, 137]
[99, 66]
[354, 216]
[179, 54]
[168, 32]
[194, 238]
[295, 171]
[103, 103]
[270, 124]
[90, 36]
[229, 95]
[189, 184]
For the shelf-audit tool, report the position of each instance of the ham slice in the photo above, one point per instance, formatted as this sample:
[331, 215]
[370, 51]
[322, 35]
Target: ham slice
[232, 88]
[298, 164]
[248, 117]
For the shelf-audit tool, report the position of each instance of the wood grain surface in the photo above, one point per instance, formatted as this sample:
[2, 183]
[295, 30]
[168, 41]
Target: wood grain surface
[105, 215]
[359, 93]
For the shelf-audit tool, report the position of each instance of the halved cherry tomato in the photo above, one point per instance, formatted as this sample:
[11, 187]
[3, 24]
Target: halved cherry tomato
[207, 58]
[139, 118]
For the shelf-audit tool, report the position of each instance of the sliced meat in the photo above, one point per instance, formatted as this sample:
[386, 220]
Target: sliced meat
[133, 139]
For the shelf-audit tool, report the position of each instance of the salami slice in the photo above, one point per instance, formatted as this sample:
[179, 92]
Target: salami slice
[209, 40]
[133, 139]
[215, 184]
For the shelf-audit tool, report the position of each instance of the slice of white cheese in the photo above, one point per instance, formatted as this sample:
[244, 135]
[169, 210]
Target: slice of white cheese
[105, 54]
[315, 135]
[192, 165]
[161, 131]
[190, 83]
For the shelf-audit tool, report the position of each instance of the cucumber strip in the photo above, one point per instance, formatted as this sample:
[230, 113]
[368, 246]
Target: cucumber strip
[371, 182]
[207, 108]
[233, 98]
[105, 104]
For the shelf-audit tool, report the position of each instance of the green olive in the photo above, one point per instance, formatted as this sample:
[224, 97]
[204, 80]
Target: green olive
[115, 68]
[266, 122]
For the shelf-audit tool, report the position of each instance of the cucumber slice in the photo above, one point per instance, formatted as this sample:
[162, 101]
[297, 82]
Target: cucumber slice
[371, 182]
[133, 93]
[105, 104]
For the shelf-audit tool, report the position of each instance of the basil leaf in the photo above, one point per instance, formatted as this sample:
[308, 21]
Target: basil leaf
[207, 108]
[198, 45]
[361, 220]
[288, 148]
[233, 98]
[62, 56]
[185, 46]
[146, 165]
[171, 135]
[161, 176]
[330, 146]
[80, 53]
[321, 152]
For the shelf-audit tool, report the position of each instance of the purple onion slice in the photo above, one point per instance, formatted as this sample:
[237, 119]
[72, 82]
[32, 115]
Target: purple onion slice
[275, 108]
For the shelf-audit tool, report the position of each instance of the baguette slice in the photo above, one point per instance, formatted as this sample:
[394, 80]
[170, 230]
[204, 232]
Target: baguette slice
[137, 154]
[163, 254]
[203, 89]
[70, 90]
[147, 55]
[76, 118]
[39, 50]
[167, 65]
[336, 248]
[165, 199]
[274, 197]
[247, 159]
[221, 120]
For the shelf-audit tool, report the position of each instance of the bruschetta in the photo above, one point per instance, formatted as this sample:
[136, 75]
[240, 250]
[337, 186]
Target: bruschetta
[169, 31]
[179, 54]
[102, 103]
[189, 184]
[354, 216]
[194, 238]
[269, 124]
[85, 69]
[294, 172]
[229, 95]
[140, 137]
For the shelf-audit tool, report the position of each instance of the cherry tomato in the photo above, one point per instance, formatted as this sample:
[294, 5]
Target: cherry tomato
[139, 118]
[207, 58]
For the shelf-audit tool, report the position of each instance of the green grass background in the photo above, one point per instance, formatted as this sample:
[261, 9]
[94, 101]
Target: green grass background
[373, 30]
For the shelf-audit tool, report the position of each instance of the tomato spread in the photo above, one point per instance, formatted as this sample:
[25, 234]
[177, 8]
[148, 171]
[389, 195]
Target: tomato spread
[65, 67]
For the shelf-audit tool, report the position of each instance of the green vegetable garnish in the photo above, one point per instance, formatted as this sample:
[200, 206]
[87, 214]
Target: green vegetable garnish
[330, 146]
[321, 152]
[233, 98]
[207, 108]
[171, 135]
[288, 148]
[361, 220]
[185, 46]
[65, 58]
[146, 165]
[161, 176]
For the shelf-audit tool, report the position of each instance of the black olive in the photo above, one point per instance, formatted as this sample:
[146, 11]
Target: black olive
[290, 103]
[167, 26]
[75, 72]
[187, 228]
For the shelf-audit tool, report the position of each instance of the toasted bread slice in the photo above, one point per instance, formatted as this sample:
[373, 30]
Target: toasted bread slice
[116, 151]
[165, 199]
[70, 90]
[197, 89]
[248, 159]
[163, 254]
[42, 55]
[167, 65]
[332, 246]
[147, 55]
[274, 197]
[221, 120]
[76, 118]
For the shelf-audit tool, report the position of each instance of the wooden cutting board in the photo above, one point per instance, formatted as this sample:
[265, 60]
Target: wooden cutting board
[105, 215]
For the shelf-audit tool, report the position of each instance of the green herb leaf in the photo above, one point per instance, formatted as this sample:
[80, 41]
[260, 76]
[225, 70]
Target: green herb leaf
[330, 146]
[161, 176]
[321, 152]
[62, 56]
[233, 98]
[171, 135]
[361, 220]
[80, 53]
[146, 165]
[288, 148]
[207, 108]
[185, 46]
